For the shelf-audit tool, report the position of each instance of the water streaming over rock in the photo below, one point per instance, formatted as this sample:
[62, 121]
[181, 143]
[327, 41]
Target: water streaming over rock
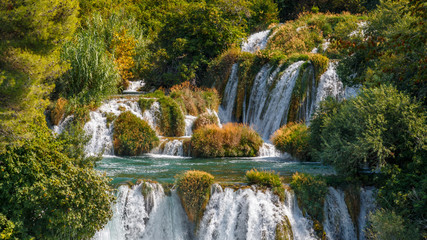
[189, 121]
[255, 42]
[225, 112]
[134, 86]
[337, 224]
[367, 205]
[63, 124]
[269, 150]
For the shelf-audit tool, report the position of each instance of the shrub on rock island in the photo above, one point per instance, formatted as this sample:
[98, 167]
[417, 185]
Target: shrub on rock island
[232, 140]
[293, 138]
[133, 136]
[205, 119]
[267, 179]
[194, 189]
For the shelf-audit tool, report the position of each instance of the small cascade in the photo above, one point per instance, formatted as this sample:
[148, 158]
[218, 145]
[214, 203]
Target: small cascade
[242, 214]
[337, 224]
[189, 121]
[63, 124]
[226, 109]
[173, 147]
[101, 131]
[145, 212]
[367, 205]
[255, 42]
[134, 87]
[269, 150]
[302, 227]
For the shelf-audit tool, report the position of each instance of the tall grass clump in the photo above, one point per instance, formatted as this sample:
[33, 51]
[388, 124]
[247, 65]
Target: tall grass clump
[293, 138]
[266, 179]
[194, 100]
[133, 136]
[93, 75]
[233, 140]
[194, 189]
[57, 110]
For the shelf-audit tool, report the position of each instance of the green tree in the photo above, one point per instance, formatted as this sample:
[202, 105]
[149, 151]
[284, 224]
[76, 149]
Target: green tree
[45, 194]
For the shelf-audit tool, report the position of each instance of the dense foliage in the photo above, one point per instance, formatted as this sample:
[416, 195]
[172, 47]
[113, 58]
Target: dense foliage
[232, 140]
[293, 138]
[194, 190]
[46, 193]
[385, 225]
[133, 136]
[311, 192]
[205, 119]
[391, 50]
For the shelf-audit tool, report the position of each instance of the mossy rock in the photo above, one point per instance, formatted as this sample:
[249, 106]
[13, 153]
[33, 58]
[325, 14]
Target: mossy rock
[133, 136]
[268, 179]
[172, 123]
[58, 110]
[194, 191]
[284, 230]
[352, 200]
[145, 103]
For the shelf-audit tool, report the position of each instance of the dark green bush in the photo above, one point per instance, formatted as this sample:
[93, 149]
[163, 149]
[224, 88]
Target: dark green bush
[172, 122]
[133, 136]
[233, 140]
[194, 190]
[293, 138]
[386, 224]
[311, 192]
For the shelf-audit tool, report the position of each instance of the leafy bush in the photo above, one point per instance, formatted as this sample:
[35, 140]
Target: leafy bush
[233, 140]
[380, 126]
[205, 119]
[194, 189]
[311, 192]
[267, 179]
[386, 224]
[133, 136]
[46, 194]
[293, 138]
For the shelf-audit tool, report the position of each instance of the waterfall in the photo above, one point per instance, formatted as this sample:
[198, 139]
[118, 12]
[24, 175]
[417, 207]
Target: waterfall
[189, 121]
[242, 214]
[226, 109]
[302, 227]
[63, 124]
[134, 86]
[367, 205]
[255, 42]
[268, 150]
[270, 114]
[337, 223]
[145, 212]
[172, 147]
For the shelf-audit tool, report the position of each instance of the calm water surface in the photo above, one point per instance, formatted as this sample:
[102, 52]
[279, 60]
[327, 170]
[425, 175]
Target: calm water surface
[164, 168]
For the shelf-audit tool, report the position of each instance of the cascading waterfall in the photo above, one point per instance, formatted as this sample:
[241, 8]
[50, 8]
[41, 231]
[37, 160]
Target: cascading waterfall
[170, 147]
[255, 42]
[269, 150]
[367, 205]
[189, 121]
[226, 109]
[337, 223]
[242, 214]
[63, 124]
[134, 86]
[145, 212]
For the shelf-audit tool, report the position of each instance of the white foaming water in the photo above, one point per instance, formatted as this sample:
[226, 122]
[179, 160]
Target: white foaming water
[269, 150]
[153, 216]
[270, 113]
[302, 227]
[226, 109]
[256, 41]
[58, 129]
[367, 205]
[189, 121]
[102, 135]
[337, 223]
[170, 147]
[242, 214]
[134, 86]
